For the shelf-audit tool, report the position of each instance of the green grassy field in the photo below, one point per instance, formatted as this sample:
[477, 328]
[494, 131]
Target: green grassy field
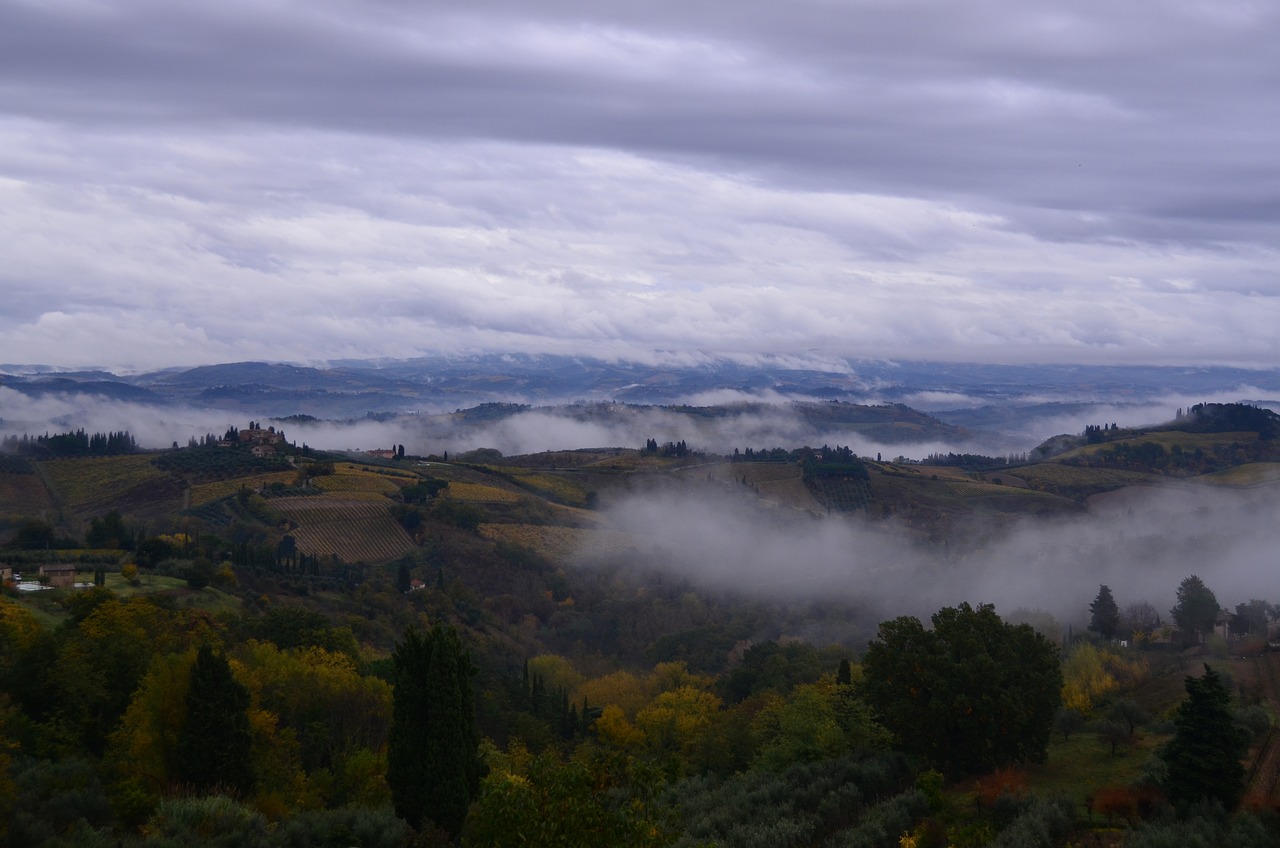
[1072, 480]
[48, 609]
[1250, 474]
[1166, 439]
[1084, 764]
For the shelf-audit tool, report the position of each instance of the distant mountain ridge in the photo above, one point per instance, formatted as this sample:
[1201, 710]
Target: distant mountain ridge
[972, 396]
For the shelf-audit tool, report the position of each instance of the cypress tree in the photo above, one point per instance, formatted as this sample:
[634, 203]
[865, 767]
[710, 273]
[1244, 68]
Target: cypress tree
[433, 767]
[214, 743]
[1204, 755]
[1104, 614]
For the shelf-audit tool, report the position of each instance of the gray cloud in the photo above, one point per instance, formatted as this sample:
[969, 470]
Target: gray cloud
[988, 181]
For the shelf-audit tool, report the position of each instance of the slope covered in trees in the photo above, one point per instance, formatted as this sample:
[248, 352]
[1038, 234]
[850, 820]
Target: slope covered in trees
[610, 701]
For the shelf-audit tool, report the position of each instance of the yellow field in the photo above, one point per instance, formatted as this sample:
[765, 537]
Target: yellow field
[555, 486]
[950, 473]
[203, 493]
[1250, 474]
[84, 483]
[348, 477]
[479, 493]
[560, 543]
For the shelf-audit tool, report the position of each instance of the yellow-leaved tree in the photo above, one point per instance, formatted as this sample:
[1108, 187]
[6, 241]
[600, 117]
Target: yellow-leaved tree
[1085, 679]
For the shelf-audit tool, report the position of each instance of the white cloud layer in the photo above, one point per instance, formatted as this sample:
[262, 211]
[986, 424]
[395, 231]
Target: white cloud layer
[986, 181]
[1142, 547]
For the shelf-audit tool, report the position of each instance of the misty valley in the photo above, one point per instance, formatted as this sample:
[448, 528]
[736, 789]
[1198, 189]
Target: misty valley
[741, 621]
[581, 424]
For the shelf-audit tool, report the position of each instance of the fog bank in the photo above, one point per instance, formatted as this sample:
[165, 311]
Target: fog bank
[1141, 543]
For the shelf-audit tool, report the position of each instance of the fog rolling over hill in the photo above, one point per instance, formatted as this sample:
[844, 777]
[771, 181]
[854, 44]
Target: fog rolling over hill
[990, 409]
[1141, 546]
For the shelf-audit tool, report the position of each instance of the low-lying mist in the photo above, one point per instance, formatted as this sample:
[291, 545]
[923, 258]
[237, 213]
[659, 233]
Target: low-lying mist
[1140, 542]
[531, 431]
[763, 420]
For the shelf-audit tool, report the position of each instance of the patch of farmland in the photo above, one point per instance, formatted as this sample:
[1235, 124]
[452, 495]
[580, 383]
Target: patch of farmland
[841, 494]
[554, 486]
[764, 472]
[792, 492]
[1075, 480]
[353, 529]
[945, 472]
[23, 494]
[203, 493]
[975, 489]
[100, 483]
[352, 478]
[1167, 439]
[479, 493]
[560, 544]
[1249, 474]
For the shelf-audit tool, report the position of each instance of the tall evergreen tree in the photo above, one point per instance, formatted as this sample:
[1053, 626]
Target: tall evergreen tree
[1104, 614]
[214, 743]
[433, 766]
[1197, 607]
[1204, 755]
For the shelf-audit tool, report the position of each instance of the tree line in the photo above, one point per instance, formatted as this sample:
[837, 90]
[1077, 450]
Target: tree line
[71, 444]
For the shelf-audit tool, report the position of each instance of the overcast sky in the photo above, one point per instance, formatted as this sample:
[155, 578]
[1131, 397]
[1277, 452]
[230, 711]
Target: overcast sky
[302, 180]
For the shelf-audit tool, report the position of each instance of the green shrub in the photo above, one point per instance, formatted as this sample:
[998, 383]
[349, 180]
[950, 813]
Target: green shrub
[884, 823]
[213, 821]
[56, 798]
[359, 827]
[1043, 824]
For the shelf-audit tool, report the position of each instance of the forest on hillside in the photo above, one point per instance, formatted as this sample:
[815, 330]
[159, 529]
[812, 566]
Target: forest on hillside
[220, 674]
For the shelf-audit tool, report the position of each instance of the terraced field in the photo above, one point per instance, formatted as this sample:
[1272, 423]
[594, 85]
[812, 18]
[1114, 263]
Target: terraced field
[353, 528]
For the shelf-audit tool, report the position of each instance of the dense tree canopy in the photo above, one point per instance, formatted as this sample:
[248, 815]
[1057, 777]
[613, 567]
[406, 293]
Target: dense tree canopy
[214, 744]
[1204, 755]
[432, 765]
[969, 695]
[1197, 607]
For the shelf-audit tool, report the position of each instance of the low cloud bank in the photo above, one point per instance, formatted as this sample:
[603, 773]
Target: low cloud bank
[1141, 543]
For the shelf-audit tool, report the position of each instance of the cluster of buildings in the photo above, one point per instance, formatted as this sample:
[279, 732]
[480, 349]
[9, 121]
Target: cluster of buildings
[56, 576]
